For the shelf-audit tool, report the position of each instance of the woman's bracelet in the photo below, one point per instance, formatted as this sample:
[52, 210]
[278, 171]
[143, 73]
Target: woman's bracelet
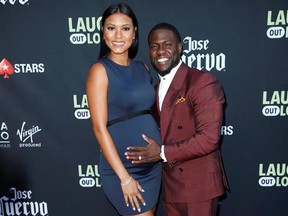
[126, 182]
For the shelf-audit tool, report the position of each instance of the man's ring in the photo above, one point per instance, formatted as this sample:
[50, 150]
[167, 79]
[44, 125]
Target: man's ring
[140, 158]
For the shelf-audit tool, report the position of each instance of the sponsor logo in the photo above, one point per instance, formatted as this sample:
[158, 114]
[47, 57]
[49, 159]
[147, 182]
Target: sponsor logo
[84, 30]
[12, 2]
[273, 175]
[202, 61]
[275, 103]
[20, 203]
[89, 176]
[81, 107]
[4, 136]
[227, 130]
[277, 23]
[26, 136]
[7, 68]
[29, 68]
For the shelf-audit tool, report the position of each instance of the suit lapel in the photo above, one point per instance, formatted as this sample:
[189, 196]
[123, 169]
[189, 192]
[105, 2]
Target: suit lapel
[170, 100]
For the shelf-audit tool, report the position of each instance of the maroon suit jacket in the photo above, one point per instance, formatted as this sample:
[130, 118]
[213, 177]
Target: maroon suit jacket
[190, 123]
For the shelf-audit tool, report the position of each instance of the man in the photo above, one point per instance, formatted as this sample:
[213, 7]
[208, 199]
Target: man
[190, 106]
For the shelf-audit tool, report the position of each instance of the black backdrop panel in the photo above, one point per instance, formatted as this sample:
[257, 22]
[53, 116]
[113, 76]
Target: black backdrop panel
[48, 153]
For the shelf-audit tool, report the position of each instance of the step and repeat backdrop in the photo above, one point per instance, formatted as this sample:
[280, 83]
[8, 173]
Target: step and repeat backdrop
[48, 153]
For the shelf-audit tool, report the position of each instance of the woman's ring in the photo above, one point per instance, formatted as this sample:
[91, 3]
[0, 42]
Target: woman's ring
[140, 158]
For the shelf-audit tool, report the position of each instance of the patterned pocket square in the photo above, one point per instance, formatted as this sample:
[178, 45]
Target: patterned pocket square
[180, 100]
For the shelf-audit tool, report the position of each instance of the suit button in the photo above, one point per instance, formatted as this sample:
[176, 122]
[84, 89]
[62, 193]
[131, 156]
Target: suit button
[181, 169]
[180, 127]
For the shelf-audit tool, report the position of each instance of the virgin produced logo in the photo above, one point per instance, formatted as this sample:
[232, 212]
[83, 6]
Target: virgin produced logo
[26, 136]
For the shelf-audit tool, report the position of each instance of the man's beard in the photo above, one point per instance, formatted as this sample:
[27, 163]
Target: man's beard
[164, 72]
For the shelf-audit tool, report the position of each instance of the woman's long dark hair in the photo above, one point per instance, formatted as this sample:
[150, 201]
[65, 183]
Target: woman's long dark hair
[124, 9]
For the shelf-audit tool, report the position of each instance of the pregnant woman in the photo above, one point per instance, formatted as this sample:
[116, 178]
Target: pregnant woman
[120, 95]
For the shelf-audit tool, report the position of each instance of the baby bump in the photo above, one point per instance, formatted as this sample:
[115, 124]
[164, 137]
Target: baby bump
[129, 133]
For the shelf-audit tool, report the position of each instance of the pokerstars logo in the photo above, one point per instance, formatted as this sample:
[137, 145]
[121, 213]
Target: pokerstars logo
[12, 2]
[273, 175]
[89, 176]
[277, 22]
[275, 103]
[204, 60]
[80, 104]
[84, 30]
[7, 68]
[227, 130]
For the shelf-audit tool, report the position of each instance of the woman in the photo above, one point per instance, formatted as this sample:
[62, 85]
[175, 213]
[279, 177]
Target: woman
[120, 87]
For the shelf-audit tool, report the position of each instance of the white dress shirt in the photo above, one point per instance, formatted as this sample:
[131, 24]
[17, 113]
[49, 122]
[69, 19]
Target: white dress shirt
[165, 82]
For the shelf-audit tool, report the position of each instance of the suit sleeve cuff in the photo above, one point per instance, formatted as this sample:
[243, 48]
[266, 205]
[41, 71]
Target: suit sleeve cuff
[162, 154]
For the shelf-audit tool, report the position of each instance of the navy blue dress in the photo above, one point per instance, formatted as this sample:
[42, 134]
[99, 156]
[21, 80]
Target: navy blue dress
[130, 90]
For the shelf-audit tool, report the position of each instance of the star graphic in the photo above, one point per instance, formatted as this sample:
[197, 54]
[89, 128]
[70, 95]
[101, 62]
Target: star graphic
[5, 67]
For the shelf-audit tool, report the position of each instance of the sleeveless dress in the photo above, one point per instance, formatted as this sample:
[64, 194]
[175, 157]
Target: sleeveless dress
[130, 90]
